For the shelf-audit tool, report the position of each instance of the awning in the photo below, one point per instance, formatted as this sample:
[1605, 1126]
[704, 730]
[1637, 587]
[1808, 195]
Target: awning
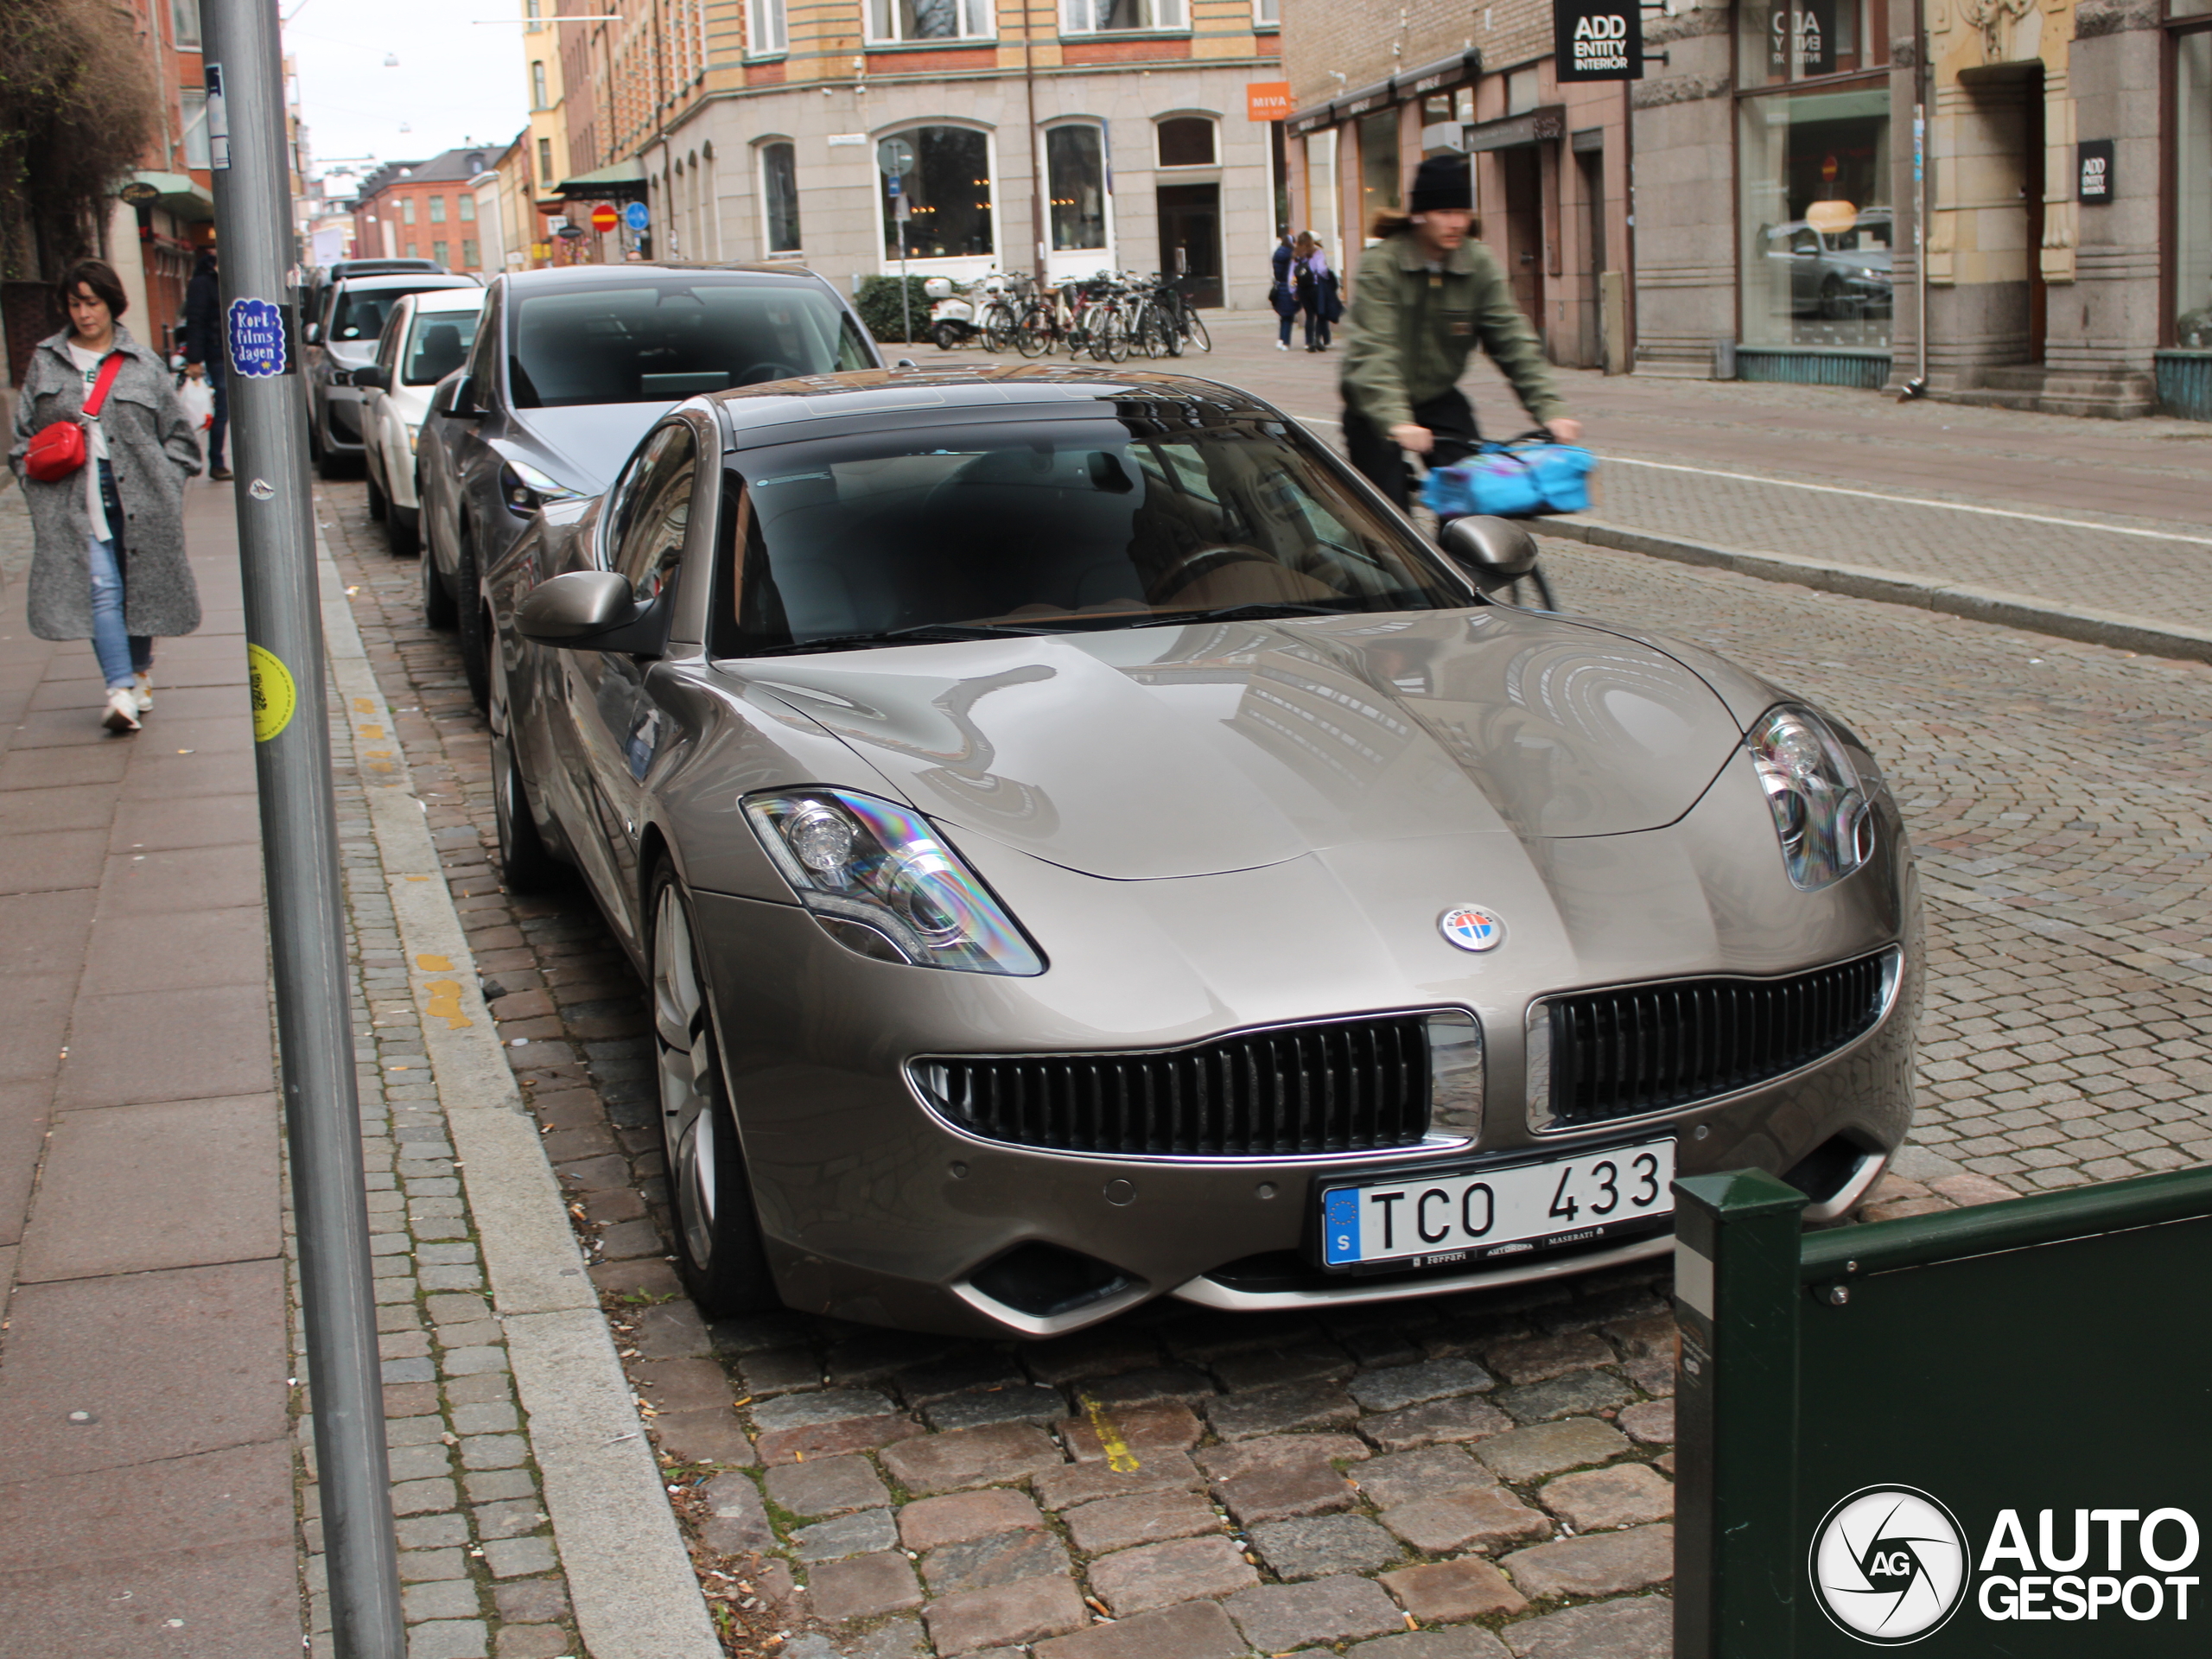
[173, 193]
[624, 181]
[1458, 70]
[1545, 125]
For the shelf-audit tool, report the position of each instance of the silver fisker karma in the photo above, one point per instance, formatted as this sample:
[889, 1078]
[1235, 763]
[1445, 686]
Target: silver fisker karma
[1083, 845]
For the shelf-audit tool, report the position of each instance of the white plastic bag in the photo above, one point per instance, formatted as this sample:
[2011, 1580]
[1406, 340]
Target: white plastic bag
[199, 400]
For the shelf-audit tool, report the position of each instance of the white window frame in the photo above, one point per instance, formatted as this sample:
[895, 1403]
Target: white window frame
[1267, 14]
[194, 137]
[537, 84]
[760, 168]
[767, 33]
[974, 20]
[1164, 17]
[1061, 264]
[184, 24]
[961, 267]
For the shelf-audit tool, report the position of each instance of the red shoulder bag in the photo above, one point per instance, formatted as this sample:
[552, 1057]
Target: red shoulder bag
[58, 450]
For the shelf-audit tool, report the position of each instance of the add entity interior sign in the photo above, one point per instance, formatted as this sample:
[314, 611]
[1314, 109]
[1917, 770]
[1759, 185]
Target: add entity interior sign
[2096, 171]
[1598, 40]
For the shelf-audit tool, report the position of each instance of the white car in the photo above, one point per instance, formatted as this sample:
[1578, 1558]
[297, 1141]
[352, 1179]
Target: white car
[427, 337]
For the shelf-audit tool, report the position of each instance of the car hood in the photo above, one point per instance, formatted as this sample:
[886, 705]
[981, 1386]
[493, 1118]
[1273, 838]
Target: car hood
[1202, 749]
[583, 445]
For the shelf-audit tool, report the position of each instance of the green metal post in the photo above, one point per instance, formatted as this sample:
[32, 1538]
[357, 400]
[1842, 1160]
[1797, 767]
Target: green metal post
[1736, 1297]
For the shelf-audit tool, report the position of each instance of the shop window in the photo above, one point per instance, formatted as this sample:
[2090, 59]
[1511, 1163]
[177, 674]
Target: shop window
[1075, 171]
[1108, 16]
[948, 190]
[1785, 40]
[1187, 141]
[2192, 253]
[1813, 175]
[780, 192]
[195, 127]
[928, 20]
[1378, 166]
[765, 32]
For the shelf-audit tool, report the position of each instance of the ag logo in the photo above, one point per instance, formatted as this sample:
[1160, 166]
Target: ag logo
[1889, 1565]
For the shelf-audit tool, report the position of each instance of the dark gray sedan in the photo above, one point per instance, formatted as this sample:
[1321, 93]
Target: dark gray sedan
[1083, 846]
[569, 369]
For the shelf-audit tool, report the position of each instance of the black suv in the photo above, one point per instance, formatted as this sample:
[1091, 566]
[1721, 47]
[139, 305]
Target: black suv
[340, 336]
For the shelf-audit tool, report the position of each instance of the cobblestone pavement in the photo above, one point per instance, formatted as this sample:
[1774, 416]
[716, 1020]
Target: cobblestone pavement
[1452, 1479]
[478, 1563]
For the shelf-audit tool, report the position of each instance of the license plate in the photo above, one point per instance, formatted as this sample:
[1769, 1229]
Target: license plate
[1433, 1220]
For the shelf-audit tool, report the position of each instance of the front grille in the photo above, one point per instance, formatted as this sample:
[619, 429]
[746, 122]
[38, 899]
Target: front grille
[1352, 1086]
[1645, 1048]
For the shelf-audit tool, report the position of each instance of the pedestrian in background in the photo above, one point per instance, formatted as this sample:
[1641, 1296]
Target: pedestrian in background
[1283, 295]
[1425, 296]
[107, 552]
[203, 353]
[1317, 288]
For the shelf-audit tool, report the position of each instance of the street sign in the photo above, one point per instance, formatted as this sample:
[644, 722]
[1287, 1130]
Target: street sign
[637, 215]
[2092, 167]
[895, 157]
[1598, 40]
[604, 218]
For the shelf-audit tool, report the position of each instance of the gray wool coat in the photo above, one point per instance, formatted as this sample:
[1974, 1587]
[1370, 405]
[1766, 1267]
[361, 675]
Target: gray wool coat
[151, 447]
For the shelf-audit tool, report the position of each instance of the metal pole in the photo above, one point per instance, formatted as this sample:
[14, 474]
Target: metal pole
[905, 297]
[299, 826]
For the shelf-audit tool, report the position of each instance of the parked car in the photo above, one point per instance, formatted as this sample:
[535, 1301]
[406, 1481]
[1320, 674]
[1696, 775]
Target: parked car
[426, 339]
[341, 338]
[570, 368]
[320, 277]
[1083, 846]
[1836, 273]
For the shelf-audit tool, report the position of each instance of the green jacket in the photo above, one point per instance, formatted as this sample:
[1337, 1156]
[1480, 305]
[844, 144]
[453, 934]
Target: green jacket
[1412, 329]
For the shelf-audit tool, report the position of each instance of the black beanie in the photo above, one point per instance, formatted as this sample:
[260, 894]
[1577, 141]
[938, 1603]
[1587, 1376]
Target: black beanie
[1442, 182]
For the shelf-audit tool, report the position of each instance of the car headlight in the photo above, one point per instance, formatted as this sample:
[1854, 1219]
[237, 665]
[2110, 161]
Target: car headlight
[524, 489]
[1821, 812]
[883, 883]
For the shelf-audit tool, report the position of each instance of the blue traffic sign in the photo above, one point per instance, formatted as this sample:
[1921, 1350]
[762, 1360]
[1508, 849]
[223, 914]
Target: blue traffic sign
[638, 215]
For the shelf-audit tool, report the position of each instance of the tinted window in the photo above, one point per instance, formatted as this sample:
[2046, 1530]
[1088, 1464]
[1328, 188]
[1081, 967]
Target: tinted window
[660, 341]
[437, 344]
[1063, 525]
[655, 510]
[359, 311]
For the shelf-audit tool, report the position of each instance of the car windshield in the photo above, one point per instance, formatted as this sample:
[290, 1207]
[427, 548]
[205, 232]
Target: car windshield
[359, 313]
[436, 345]
[657, 341]
[1054, 526]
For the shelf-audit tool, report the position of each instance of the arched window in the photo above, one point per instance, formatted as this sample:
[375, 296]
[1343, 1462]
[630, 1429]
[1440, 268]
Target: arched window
[1075, 167]
[1187, 141]
[780, 191]
[948, 190]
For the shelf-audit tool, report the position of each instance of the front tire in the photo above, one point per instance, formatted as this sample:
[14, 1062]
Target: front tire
[946, 335]
[525, 864]
[1194, 330]
[377, 504]
[438, 609]
[718, 1247]
[475, 621]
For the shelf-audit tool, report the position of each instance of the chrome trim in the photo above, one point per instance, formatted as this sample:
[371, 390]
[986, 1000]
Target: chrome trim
[1206, 1293]
[1838, 1204]
[1432, 1142]
[1058, 1325]
[1537, 1037]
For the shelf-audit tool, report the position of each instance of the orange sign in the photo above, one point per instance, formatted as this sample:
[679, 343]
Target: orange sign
[1267, 100]
[604, 218]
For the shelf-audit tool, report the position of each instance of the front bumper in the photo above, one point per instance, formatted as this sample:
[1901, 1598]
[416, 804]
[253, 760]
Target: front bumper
[877, 1208]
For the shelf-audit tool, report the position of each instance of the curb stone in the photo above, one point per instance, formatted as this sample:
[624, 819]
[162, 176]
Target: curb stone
[1976, 604]
[629, 1575]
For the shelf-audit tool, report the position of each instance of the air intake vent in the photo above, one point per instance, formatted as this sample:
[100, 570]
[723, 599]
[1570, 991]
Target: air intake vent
[1595, 1056]
[1348, 1087]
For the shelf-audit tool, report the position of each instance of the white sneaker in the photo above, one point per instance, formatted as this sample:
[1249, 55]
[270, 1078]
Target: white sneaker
[122, 710]
[144, 689]
[1281, 346]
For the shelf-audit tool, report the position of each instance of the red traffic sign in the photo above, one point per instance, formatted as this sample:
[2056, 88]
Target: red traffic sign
[604, 218]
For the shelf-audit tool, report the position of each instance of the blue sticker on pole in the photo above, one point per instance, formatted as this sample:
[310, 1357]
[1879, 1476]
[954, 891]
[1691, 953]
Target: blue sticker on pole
[638, 215]
[257, 343]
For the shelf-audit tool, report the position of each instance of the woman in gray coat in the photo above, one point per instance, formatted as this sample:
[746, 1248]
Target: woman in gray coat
[107, 558]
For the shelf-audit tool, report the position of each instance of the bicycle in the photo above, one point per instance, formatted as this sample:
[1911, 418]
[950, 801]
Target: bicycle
[1448, 452]
[1189, 325]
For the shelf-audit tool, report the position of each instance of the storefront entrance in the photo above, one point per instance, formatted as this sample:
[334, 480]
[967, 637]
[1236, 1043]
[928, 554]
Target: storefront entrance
[1190, 239]
[1524, 230]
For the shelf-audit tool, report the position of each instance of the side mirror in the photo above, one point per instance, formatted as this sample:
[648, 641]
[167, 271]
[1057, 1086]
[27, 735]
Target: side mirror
[312, 333]
[372, 375]
[1493, 553]
[455, 397]
[591, 610]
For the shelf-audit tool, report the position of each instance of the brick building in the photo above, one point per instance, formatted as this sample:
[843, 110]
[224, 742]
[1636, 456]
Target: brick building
[1086, 135]
[426, 210]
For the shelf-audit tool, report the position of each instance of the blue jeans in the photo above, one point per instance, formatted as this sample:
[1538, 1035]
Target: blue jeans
[122, 654]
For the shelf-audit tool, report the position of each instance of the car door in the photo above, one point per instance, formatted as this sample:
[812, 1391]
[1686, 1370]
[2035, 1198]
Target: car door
[616, 729]
[375, 440]
[450, 442]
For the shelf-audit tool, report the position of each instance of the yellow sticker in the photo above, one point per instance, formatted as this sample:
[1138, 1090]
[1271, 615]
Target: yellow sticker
[275, 696]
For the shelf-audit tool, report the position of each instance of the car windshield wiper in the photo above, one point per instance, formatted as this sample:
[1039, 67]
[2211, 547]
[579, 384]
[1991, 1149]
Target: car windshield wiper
[920, 633]
[1256, 612]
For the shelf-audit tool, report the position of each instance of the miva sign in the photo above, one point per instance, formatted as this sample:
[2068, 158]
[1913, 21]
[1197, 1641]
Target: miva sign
[1598, 40]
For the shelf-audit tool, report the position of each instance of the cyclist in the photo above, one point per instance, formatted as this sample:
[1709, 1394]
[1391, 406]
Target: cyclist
[1424, 298]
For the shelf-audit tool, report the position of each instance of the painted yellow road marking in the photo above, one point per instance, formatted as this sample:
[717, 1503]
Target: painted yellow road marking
[1119, 1457]
[444, 1003]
